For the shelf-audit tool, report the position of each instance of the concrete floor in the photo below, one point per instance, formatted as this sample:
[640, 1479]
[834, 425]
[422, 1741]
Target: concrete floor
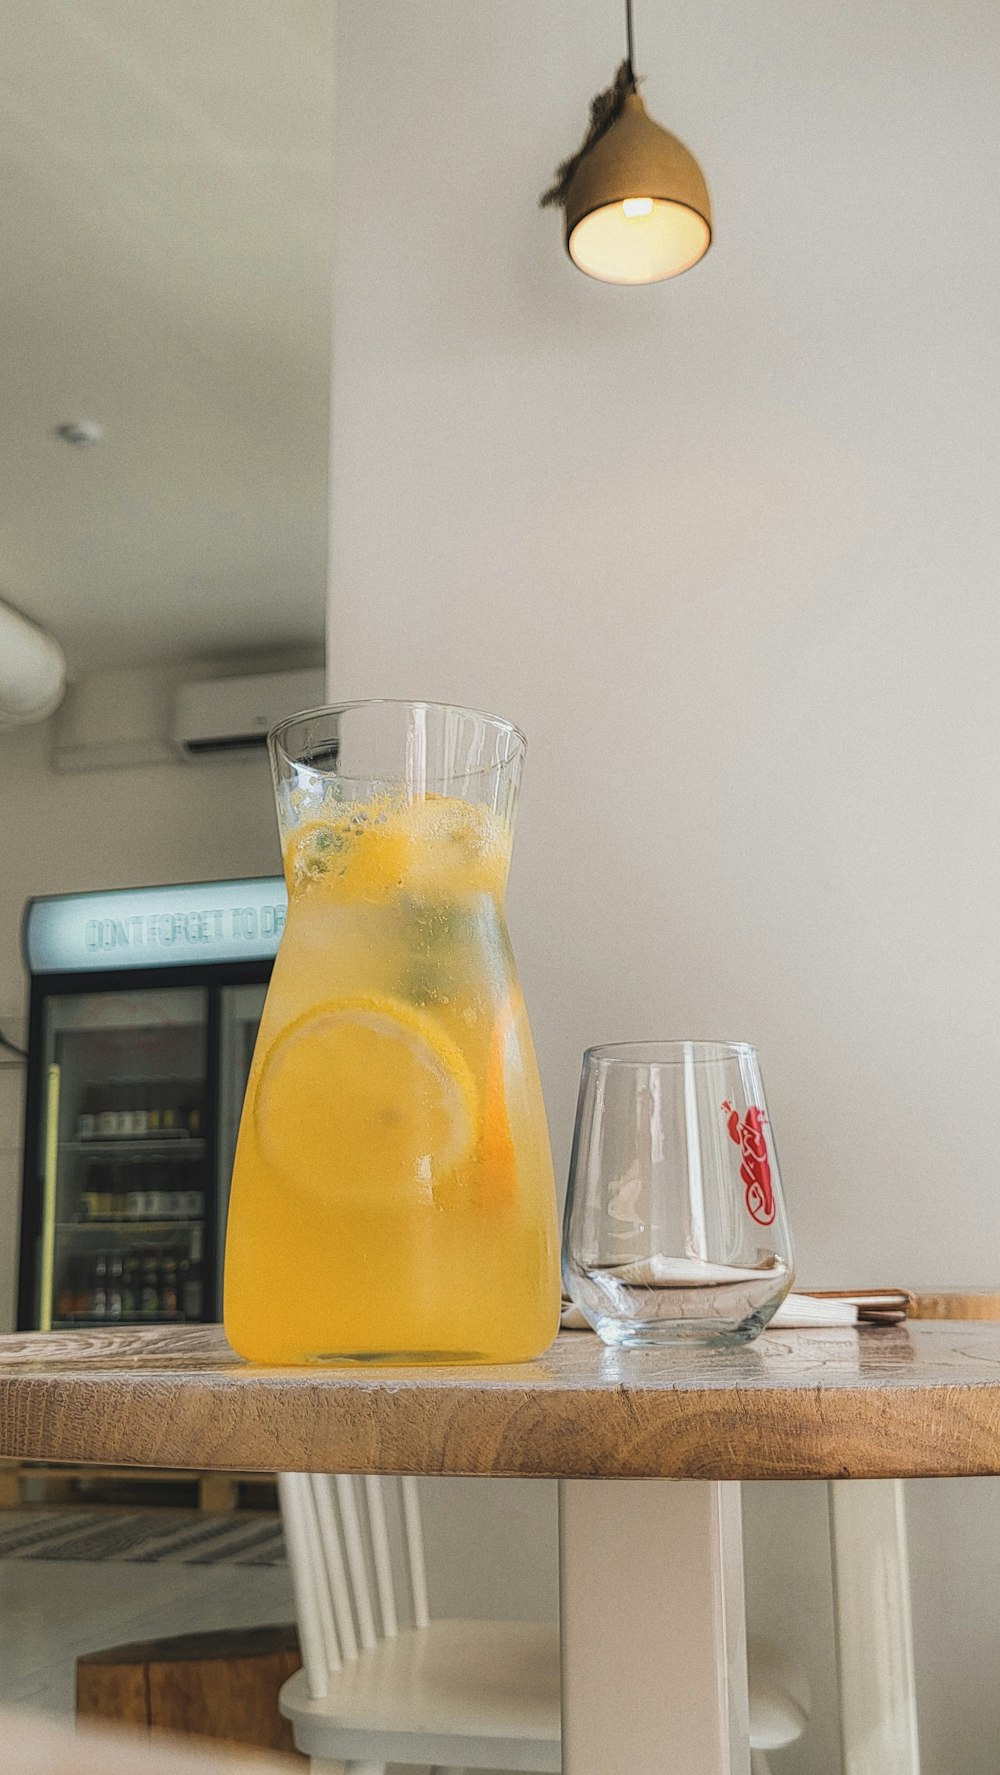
[52, 1610]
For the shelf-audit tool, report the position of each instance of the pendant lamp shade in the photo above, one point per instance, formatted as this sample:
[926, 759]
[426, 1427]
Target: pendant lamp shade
[637, 206]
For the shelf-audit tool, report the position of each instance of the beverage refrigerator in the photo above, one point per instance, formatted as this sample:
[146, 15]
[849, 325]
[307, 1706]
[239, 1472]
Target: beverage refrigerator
[143, 1015]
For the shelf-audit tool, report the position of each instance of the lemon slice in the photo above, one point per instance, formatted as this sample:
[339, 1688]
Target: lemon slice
[361, 853]
[365, 1099]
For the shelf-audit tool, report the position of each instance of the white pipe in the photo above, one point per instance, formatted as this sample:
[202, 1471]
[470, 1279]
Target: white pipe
[32, 671]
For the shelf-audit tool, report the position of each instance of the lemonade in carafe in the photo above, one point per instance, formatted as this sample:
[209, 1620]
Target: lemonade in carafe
[393, 1194]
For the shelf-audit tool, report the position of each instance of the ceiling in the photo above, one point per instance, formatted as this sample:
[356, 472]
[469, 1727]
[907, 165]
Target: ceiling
[165, 271]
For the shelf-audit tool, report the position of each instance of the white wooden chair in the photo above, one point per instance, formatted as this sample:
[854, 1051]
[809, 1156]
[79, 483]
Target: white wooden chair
[458, 1695]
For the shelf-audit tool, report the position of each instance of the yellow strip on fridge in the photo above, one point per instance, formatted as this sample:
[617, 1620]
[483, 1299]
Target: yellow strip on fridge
[49, 1199]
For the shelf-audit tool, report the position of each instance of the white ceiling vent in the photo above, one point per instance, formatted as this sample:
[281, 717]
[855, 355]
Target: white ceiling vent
[235, 714]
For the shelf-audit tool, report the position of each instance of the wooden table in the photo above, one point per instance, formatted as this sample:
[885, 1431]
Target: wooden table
[651, 1575]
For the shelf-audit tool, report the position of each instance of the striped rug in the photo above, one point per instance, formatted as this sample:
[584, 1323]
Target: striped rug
[179, 1537]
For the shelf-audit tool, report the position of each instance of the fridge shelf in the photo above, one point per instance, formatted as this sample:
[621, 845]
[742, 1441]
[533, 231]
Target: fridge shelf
[75, 1320]
[126, 1226]
[140, 1143]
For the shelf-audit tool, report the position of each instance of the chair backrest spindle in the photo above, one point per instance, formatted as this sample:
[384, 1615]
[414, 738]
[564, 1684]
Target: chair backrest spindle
[326, 1516]
[415, 1550]
[294, 1494]
[324, 1603]
[356, 1564]
[338, 1535]
[381, 1554]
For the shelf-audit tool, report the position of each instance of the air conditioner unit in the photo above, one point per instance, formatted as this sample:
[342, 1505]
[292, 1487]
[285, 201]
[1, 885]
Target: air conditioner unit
[235, 714]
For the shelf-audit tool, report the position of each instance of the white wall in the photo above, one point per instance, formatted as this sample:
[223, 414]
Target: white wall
[727, 548]
[113, 828]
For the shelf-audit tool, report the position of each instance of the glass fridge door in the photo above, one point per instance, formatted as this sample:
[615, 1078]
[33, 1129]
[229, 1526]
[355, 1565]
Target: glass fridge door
[240, 1016]
[123, 1157]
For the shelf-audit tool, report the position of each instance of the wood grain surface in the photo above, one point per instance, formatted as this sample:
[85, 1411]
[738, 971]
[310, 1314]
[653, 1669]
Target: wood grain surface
[919, 1399]
[205, 1685]
[969, 1303]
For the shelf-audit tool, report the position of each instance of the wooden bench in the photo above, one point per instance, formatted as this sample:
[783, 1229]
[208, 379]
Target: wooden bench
[218, 1493]
[210, 1685]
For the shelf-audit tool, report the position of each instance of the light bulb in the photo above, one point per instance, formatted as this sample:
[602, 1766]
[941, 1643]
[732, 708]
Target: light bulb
[613, 233]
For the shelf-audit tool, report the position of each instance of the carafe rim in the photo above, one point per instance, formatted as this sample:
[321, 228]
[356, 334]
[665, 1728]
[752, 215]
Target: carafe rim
[394, 702]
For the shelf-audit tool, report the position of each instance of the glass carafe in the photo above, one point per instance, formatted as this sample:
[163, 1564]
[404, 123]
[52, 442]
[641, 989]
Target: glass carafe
[393, 1197]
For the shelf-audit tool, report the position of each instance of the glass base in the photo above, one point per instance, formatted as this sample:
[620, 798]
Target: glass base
[676, 1300]
[663, 1333]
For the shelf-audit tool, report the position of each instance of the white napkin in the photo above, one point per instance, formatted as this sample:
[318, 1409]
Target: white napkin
[803, 1310]
[684, 1272]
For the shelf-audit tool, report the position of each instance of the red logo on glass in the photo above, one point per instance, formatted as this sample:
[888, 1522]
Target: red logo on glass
[755, 1170]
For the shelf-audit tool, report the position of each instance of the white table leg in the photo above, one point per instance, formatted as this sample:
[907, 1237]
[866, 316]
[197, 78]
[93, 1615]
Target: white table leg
[654, 1676]
[871, 1581]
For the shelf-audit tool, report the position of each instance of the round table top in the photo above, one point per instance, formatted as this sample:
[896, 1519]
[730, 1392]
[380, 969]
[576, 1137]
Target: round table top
[919, 1399]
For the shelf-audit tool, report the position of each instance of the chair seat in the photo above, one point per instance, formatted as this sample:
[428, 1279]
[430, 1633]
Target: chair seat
[465, 1694]
[485, 1694]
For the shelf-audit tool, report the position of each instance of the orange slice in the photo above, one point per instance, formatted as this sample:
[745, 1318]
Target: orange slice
[366, 1100]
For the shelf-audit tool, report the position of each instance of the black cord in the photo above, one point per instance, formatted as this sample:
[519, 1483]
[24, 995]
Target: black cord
[12, 1048]
[628, 38]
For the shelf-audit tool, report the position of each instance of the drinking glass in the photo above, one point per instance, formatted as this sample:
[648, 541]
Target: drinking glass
[392, 1194]
[675, 1225]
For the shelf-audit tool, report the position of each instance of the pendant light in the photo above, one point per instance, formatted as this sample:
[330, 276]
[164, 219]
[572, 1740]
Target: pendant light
[636, 203]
